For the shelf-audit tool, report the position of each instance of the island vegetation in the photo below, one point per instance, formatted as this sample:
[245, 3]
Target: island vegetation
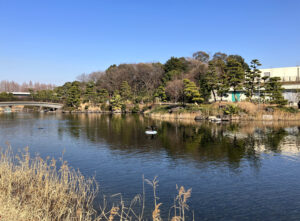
[188, 84]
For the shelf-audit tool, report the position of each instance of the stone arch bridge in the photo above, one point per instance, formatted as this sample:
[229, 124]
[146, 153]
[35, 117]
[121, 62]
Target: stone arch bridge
[55, 106]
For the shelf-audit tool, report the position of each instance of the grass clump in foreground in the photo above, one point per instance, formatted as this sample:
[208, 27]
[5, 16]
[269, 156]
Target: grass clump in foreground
[35, 189]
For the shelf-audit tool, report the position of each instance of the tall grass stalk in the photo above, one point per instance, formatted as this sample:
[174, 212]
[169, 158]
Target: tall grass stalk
[34, 189]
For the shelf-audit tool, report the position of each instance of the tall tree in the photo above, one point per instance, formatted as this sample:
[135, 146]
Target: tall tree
[73, 95]
[125, 91]
[174, 67]
[241, 60]
[220, 56]
[252, 79]
[201, 56]
[90, 92]
[222, 87]
[235, 74]
[174, 63]
[211, 79]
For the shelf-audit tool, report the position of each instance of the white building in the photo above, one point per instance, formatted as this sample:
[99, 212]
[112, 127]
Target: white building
[290, 78]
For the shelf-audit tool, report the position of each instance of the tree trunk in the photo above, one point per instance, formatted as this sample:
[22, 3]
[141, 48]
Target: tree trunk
[214, 95]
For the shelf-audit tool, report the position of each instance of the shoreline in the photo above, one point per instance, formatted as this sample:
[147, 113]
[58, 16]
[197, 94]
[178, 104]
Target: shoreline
[218, 112]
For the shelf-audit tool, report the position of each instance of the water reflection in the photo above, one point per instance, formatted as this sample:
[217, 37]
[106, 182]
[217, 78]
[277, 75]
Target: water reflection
[200, 143]
[238, 171]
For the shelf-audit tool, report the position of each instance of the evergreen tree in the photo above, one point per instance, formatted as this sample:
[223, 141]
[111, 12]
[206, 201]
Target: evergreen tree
[235, 74]
[174, 63]
[174, 67]
[241, 60]
[262, 89]
[116, 102]
[171, 75]
[222, 87]
[191, 92]
[125, 91]
[252, 79]
[73, 95]
[211, 79]
[4, 96]
[273, 90]
[161, 93]
[102, 95]
[90, 92]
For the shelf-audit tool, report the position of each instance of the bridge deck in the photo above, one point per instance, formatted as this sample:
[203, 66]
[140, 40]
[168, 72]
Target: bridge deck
[31, 103]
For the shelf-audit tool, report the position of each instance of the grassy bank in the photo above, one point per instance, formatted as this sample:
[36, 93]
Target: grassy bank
[243, 111]
[32, 189]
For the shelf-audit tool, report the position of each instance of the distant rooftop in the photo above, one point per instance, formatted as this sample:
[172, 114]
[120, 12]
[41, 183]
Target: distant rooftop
[21, 93]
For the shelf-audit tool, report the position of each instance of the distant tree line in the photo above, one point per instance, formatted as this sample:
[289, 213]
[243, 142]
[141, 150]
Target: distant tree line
[187, 80]
[12, 86]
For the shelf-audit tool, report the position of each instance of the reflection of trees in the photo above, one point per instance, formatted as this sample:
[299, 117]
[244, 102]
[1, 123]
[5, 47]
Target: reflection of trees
[273, 137]
[206, 143]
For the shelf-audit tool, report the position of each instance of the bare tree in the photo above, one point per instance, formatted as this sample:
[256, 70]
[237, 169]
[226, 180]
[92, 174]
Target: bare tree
[174, 90]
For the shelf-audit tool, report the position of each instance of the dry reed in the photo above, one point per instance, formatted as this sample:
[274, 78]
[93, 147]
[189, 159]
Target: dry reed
[34, 189]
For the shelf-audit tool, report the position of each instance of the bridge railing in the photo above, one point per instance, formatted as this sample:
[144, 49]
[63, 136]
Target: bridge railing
[31, 103]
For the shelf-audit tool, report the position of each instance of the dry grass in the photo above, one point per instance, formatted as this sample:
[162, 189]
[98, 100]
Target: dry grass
[249, 107]
[33, 189]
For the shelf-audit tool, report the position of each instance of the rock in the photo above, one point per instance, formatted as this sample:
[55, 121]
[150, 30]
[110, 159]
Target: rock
[200, 117]
[214, 118]
[225, 118]
[267, 117]
[270, 109]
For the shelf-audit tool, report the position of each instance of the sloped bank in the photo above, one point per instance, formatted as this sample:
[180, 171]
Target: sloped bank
[242, 111]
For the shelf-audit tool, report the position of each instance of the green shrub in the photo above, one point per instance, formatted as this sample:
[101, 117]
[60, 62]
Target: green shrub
[231, 109]
[104, 107]
[135, 109]
[289, 109]
[123, 108]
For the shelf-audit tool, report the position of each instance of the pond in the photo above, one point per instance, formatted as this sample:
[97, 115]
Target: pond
[237, 171]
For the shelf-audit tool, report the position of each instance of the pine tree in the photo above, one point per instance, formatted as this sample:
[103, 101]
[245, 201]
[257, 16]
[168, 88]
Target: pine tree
[116, 102]
[125, 91]
[191, 92]
[73, 95]
[102, 95]
[90, 93]
[236, 74]
[161, 93]
[222, 87]
[211, 79]
[252, 79]
[273, 90]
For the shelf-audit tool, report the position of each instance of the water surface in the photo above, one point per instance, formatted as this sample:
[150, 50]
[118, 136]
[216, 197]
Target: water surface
[245, 171]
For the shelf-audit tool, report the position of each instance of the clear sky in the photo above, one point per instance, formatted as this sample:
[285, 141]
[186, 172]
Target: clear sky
[53, 41]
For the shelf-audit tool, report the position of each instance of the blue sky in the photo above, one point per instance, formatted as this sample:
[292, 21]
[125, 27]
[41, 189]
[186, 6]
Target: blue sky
[53, 41]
